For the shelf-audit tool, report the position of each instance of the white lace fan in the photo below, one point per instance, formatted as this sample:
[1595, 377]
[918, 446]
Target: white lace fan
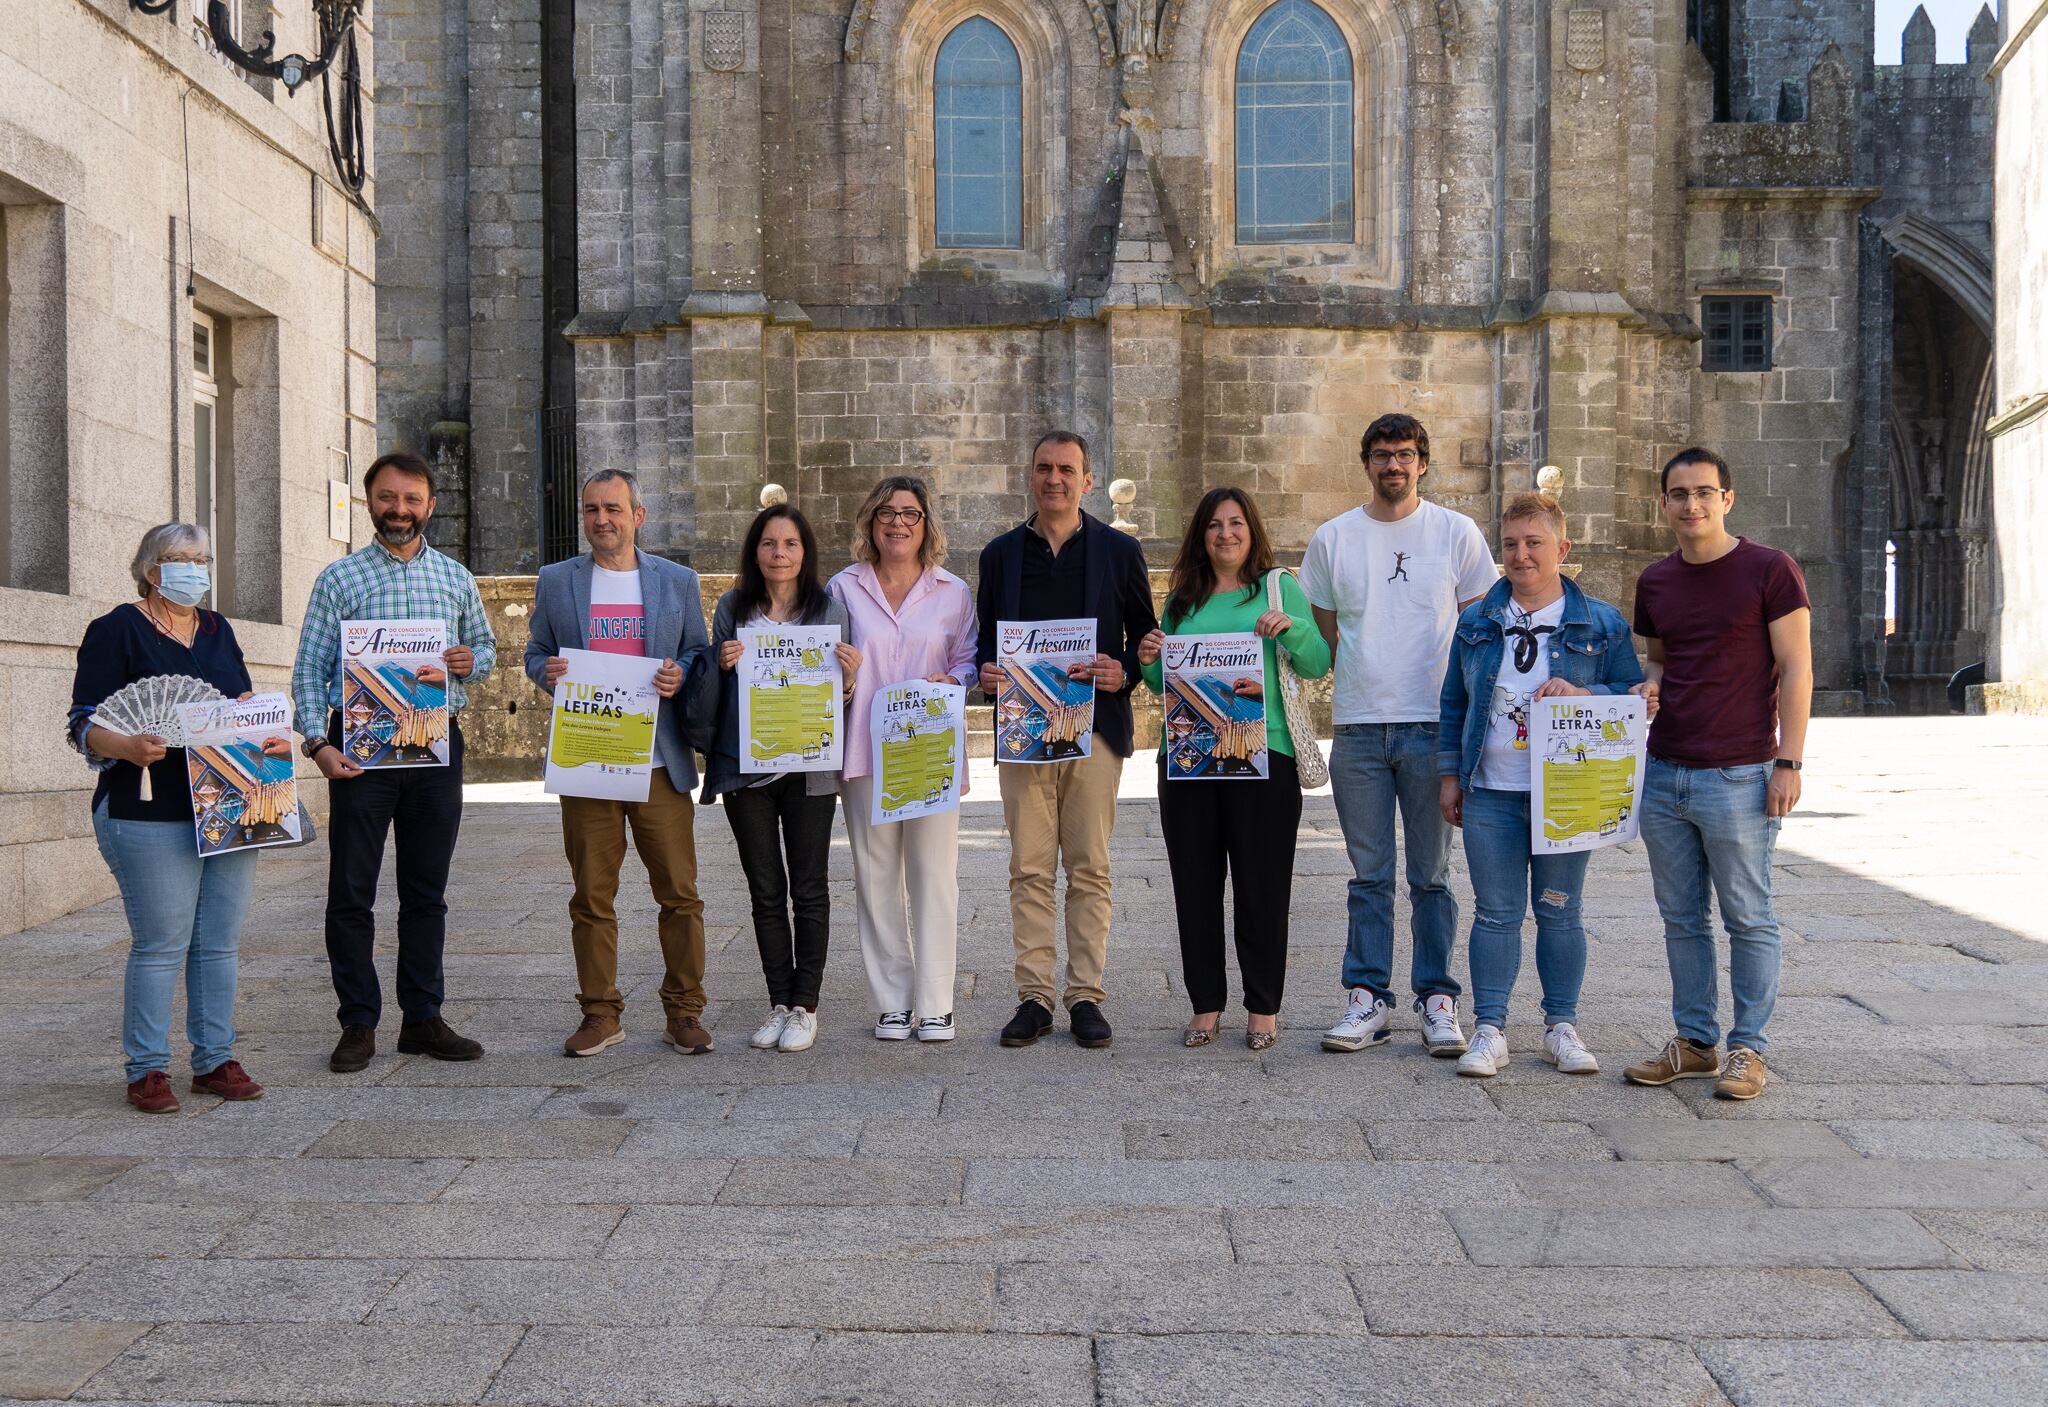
[151, 706]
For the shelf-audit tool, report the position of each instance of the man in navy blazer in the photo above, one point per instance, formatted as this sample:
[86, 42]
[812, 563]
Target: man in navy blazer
[1062, 564]
[618, 600]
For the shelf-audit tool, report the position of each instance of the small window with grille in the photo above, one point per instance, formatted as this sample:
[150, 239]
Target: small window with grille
[1738, 334]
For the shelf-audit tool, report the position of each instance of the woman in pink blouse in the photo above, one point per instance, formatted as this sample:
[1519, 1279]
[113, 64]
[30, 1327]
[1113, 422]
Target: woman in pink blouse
[910, 619]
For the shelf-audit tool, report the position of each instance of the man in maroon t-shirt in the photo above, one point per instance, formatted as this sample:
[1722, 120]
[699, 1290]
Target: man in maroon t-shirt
[1730, 667]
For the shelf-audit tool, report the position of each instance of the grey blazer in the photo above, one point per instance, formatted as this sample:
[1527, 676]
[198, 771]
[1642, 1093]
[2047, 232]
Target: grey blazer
[675, 630]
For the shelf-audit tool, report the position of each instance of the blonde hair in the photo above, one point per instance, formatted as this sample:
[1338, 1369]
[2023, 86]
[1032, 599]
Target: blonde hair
[934, 550]
[1535, 505]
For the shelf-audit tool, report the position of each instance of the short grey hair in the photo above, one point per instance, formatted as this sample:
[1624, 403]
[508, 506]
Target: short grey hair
[160, 541]
[605, 476]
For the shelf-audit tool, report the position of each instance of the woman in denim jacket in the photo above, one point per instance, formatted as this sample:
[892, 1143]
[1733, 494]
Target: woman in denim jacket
[1534, 635]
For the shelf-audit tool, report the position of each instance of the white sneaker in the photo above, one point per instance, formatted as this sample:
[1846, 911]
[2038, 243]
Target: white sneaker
[936, 1028]
[1367, 1021]
[1442, 1036]
[1487, 1055]
[1563, 1048]
[771, 1029]
[801, 1030]
[893, 1026]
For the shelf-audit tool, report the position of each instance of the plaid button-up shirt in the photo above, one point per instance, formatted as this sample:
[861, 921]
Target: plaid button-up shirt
[374, 583]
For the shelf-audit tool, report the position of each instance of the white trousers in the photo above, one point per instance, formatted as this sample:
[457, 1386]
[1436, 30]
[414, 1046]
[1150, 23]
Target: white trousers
[906, 885]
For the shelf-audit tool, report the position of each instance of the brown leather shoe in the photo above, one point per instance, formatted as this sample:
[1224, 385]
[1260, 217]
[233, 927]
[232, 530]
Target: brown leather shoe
[152, 1094]
[687, 1034]
[595, 1034]
[1743, 1077]
[228, 1080]
[1679, 1060]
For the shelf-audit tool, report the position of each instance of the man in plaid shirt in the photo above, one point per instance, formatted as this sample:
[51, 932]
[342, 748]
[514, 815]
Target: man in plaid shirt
[396, 577]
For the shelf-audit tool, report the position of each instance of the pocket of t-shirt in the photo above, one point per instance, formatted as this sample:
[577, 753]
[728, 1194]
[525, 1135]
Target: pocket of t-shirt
[1420, 573]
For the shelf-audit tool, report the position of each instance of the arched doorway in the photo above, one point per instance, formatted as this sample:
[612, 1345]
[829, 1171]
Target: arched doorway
[1940, 459]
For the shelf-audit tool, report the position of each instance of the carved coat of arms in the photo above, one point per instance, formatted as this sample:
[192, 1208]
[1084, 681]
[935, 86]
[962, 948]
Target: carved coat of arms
[725, 40]
[1585, 39]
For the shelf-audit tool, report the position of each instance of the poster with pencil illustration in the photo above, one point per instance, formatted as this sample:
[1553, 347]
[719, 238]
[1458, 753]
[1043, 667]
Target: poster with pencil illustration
[1588, 756]
[1215, 707]
[394, 693]
[1043, 713]
[238, 760]
[790, 687]
[918, 731]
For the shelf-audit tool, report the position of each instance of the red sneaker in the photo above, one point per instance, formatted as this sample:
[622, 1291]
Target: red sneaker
[228, 1080]
[152, 1094]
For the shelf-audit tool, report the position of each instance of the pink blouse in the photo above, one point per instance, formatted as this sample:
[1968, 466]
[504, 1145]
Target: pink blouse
[933, 632]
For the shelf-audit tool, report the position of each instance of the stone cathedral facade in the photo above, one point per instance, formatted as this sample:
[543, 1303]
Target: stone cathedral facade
[813, 242]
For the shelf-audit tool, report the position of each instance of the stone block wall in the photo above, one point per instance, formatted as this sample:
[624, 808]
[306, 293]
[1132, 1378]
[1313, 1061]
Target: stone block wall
[94, 117]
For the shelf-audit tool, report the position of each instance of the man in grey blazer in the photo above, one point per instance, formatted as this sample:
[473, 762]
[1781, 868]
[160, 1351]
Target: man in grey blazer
[617, 599]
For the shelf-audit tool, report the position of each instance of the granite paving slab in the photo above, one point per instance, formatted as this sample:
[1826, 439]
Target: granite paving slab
[1699, 1237]
[295, 1363]
[1788, 1374]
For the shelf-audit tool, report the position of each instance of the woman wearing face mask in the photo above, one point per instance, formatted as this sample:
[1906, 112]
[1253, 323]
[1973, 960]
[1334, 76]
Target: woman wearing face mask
[782, 822]
[183, 912]
[1242, 827]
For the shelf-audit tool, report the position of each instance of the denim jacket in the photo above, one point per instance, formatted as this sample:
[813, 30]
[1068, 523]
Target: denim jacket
[1590, 648]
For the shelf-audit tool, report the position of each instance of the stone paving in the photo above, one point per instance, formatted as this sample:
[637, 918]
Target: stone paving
[897, 1224]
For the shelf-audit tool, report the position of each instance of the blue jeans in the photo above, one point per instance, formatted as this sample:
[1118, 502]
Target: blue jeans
[1706, 826]
[1507, 882]
[1372, 767]
[183, 912]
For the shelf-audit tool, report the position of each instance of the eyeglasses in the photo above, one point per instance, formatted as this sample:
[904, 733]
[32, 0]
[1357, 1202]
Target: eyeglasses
[1406, 458]
[909, 517]
[1678, 498]
[201, 561]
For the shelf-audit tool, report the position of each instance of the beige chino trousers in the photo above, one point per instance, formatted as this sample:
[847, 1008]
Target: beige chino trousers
[1060, 814]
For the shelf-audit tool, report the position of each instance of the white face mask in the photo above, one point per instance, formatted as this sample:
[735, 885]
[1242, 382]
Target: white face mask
[185, 583]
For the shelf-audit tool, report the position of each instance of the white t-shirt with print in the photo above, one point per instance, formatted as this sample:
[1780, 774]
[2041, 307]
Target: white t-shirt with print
[618, 617]
[1524, 668]
[1395, 588]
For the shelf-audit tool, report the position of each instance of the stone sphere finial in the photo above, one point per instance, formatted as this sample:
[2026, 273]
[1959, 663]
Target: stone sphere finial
[1550, 479]
[772, 494]
[1123, 493]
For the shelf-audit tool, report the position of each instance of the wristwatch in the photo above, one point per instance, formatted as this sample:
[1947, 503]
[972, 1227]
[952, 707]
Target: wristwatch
[311, 747]
[1787, 763]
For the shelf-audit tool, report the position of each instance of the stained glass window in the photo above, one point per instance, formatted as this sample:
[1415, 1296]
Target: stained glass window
[1294, 129]
[978, 139]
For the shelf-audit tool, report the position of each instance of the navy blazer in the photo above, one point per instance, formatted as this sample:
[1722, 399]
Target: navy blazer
[1116, 585]
[674, 608]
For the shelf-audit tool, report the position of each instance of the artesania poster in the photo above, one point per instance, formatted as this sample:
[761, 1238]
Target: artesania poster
[919, 734]
[238, 759]
[1043, 713]
[789, 686]
[1215, 706]
[601, 739]
[394, 693]
[1586, 771]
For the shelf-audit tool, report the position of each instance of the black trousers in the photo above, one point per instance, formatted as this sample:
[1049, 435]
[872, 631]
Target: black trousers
[785, 841]
[1246, 828]
[422, 806]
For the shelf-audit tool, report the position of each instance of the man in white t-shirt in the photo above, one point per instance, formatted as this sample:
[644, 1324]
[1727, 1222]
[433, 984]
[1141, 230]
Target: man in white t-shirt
[1386, 581]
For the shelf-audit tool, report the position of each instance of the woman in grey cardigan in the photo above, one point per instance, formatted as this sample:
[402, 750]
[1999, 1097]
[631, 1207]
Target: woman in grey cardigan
[777, 815]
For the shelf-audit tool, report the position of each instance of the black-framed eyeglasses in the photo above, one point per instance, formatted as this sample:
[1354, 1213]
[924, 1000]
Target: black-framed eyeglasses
[909, 517]
[1678, 498]
[1406, 458]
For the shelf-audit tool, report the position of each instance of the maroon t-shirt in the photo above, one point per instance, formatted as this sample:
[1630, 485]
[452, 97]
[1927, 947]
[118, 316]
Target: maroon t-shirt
[1718, 706]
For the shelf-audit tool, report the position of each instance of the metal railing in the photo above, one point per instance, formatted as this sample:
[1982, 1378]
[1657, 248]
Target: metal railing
[558, 527]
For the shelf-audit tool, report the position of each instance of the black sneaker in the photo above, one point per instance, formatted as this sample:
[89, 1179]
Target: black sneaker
[1030, 1022]
[438, 1039]
[353, 1051]
[1091, 1027]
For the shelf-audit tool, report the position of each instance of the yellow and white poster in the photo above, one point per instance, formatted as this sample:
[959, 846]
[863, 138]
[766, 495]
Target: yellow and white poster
[1586, 776]
[919, 732]
[789, 684]
[601, 742]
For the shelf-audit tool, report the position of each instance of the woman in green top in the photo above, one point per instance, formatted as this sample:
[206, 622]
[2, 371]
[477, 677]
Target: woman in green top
[1245, 827]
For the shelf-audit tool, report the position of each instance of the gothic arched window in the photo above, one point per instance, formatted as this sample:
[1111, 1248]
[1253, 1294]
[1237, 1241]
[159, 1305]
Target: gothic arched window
[1294, 123]
[978, 139]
